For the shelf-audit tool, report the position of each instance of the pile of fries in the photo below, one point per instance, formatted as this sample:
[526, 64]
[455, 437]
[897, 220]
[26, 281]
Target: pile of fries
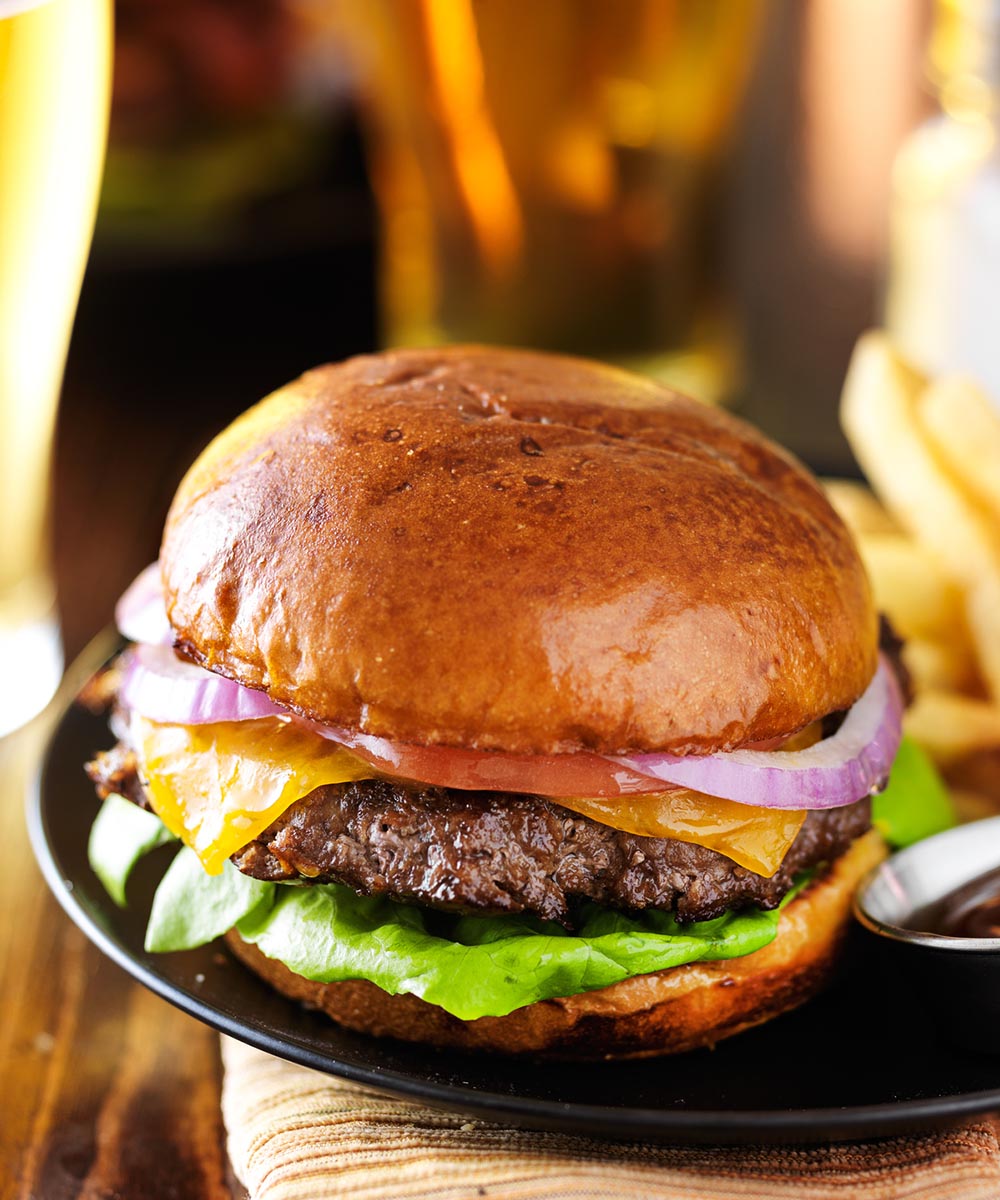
[930, 538]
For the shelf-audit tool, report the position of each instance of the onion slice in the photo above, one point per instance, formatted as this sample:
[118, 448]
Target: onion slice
[851, 764]
[160, 686]
[140, 614]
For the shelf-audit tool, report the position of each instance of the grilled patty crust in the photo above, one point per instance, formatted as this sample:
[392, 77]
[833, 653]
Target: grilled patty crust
[493, 853]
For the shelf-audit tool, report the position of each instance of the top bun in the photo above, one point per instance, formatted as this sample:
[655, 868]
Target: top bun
[505, 550]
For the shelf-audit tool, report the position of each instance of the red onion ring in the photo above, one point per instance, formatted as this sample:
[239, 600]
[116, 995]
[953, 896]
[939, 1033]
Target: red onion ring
[839, 770]
[158, 685]
[140, 614]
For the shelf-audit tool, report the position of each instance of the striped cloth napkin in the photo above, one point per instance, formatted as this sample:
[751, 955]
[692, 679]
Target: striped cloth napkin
[297, 1135]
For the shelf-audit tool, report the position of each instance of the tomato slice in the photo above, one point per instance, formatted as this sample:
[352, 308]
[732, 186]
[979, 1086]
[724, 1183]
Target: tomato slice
[579, 774]
[218, 786]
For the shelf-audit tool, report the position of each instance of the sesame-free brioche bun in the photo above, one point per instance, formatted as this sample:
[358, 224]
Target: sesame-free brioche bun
[514, 551]
[662, 1013]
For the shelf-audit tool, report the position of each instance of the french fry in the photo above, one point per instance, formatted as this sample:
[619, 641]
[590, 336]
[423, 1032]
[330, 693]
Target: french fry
[858, 508]
[949, 726]
[938, 666]
[982, 607]
[964, 427]
[879, 413]
[911, 588]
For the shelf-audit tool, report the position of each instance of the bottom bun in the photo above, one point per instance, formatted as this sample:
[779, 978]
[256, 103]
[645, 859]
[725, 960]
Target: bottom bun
[661, 1013]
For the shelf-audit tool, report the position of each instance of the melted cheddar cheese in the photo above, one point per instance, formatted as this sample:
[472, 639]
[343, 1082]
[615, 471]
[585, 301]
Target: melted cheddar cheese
[217, 787]
[756, 838]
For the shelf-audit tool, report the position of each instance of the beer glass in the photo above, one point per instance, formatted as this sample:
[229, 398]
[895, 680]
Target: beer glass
[548, 174]
[55, 71]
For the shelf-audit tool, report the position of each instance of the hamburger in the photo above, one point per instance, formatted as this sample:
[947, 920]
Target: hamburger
[504, 701]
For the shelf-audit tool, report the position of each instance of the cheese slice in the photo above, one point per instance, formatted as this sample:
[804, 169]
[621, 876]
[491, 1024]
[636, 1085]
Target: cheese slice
[219, 786]
[755, 838]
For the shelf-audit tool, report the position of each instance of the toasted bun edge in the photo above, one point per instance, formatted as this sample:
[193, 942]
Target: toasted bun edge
[513, 551]
[665, 1012]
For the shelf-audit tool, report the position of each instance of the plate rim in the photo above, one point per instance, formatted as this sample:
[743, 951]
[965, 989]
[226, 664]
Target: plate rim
[840, 1123]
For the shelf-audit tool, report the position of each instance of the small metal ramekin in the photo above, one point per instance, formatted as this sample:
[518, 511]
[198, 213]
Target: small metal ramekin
[955, 979]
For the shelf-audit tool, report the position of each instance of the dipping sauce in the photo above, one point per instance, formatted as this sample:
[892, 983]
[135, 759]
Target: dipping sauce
[971, 911]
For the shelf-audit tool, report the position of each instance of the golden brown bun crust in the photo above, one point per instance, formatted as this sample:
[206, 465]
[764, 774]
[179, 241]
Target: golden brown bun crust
[663, 1013]
[507, 550]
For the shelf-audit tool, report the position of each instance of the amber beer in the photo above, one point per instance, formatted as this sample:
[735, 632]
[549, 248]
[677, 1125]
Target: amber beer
[548, 173]
[55, 69]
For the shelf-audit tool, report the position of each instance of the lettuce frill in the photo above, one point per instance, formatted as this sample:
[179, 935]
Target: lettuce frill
[470, 966]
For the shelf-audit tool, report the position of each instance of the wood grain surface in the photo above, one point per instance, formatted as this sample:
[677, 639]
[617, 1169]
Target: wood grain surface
[106, 1089]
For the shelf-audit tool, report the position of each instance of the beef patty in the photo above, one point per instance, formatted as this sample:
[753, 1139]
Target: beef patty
[494, 853]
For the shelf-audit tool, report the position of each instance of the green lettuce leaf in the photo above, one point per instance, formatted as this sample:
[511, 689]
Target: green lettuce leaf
[192, 907]
[483, 966]
[916, 803]
[122, 834]
[473, 966]
[470, 966]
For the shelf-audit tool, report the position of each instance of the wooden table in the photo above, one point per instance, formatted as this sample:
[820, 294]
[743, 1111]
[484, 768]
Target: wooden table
[107, 1090]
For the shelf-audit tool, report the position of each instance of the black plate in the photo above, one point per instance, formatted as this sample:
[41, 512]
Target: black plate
[859, 1062]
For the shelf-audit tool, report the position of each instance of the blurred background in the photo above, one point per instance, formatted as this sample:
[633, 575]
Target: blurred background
[722, 193]
[702, 189]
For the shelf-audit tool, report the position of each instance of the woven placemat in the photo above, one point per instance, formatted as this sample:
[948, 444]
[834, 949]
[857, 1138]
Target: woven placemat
[295, 1134]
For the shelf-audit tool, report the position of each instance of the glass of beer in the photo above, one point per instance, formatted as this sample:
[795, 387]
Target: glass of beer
[549, 174]
[55, 73]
